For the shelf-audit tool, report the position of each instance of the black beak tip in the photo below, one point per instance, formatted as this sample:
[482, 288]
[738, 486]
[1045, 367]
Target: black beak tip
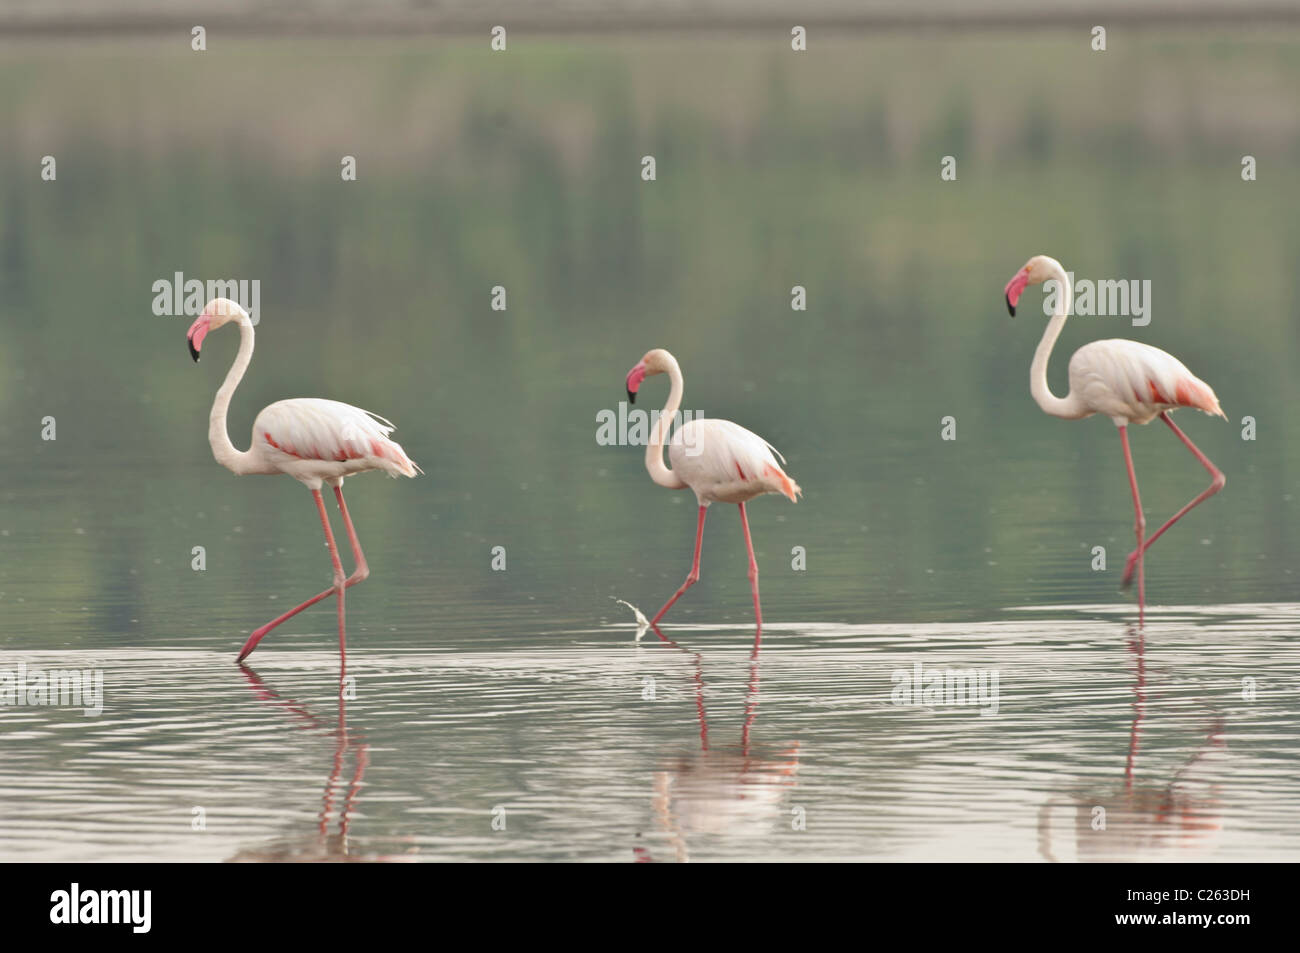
[194, 353]
[631, 397]
[1011, 309]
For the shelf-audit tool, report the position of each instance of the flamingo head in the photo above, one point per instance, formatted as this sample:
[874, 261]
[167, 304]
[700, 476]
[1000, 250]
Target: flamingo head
[1035, 271]
[216, 312]
[655, 362]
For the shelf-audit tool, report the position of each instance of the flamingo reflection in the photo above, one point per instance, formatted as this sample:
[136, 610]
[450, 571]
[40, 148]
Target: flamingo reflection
[733, 790]
[1146, 821]
[331, 839]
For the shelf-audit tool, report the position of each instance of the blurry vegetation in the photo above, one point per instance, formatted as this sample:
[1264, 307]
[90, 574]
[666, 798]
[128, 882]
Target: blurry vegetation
[524, 171]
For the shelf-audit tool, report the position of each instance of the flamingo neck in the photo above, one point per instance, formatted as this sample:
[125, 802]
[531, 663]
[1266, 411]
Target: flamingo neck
[237, 461]
[1068, 406]
[654, 451]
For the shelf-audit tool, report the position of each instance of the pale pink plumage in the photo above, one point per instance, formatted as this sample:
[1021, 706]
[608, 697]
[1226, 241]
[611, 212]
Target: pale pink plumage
[326, 439]
[720, 461]
[725, 463]
[1129, 382]
[312, 440]
[1136, 382]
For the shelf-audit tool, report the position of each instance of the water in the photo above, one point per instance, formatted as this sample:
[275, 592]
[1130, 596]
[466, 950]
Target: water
[522, 689]
[797, 753]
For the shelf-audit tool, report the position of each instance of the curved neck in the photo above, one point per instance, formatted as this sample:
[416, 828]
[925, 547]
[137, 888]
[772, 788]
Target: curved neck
[654, 451]
[224, 451]
[1068, 406]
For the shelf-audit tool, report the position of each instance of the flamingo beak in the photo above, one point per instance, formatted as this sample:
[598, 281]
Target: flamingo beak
[634, 379]
[198, 331]
[1015, 288]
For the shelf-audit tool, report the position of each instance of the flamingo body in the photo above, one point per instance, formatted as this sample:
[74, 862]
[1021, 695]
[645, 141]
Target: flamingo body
[1135, 382]
[315, 440]
[1129, 382]
[722, 462]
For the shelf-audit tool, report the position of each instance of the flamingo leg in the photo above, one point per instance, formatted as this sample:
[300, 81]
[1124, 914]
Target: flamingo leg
[694, 576]
[753, 576]
[1140, 522]
[362, 571]
[1216, 484]
[339, 585]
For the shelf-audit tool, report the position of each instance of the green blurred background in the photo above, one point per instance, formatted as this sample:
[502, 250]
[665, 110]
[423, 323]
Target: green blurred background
[522, 169]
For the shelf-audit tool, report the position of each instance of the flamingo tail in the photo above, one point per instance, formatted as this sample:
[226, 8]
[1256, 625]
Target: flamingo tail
[786, 486]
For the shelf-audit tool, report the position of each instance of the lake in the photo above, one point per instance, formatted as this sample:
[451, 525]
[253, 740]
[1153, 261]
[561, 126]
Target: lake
[499, 705]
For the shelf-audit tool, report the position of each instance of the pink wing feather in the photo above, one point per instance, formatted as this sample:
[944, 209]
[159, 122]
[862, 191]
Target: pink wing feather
[1123, 378]
[310, 428]
[715, 453]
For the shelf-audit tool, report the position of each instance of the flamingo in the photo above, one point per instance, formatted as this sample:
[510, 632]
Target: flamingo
[314, 441]
[1127, 381]
[720, 461]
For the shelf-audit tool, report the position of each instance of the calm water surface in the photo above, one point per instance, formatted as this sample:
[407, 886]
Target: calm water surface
[591, 746]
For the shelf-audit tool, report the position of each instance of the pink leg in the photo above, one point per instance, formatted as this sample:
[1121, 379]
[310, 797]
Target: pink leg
[339, 585]
[1140, 522]
[753, 576]
[1216, 484]
[694, 575]
[362, 571]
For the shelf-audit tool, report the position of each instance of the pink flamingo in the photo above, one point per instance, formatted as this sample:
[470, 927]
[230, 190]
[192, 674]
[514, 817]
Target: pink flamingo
[1127, 381]
[721, 461]
[312, 440]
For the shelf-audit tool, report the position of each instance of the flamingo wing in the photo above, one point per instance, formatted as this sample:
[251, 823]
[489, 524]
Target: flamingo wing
[1135, 381]
[328, 431]
[723, 458]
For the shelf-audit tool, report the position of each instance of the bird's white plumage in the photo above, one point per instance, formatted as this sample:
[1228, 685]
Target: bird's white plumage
[313, 440]
[1131, 382]
[725, 463]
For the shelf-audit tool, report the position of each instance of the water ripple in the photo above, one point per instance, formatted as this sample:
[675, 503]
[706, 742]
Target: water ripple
[1103, 746]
